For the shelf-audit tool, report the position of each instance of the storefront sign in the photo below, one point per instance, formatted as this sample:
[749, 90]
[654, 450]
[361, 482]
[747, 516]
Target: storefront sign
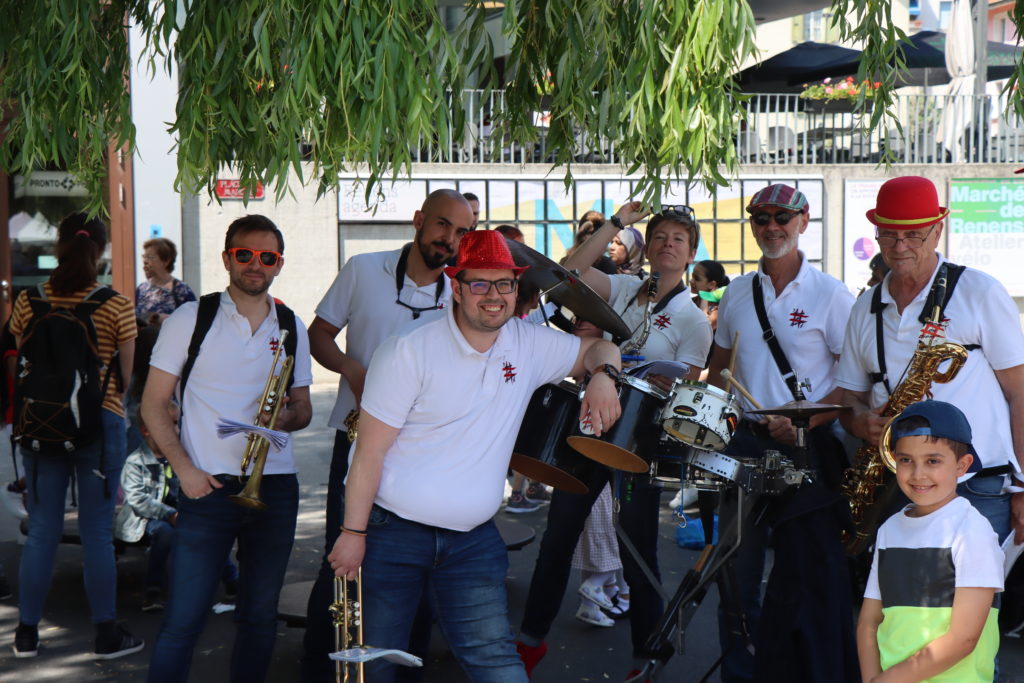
[49, 184]
[233, 189]
[986, 227]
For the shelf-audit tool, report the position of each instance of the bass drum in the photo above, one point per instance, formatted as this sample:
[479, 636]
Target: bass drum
[541, 452]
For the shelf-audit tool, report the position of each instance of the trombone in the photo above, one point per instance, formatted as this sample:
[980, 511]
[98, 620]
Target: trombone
[346, 613]
[257, 447]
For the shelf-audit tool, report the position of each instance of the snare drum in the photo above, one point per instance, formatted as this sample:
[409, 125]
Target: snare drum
[617, 448]
[540, 452]
[700, 415]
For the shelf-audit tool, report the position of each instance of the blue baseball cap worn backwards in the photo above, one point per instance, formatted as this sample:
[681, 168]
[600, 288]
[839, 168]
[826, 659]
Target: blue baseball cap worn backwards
[945, 421]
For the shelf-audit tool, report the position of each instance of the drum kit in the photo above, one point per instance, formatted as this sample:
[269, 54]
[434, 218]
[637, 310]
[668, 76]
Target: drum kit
[674, 438]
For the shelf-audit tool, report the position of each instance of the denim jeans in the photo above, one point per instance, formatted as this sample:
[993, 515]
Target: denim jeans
[48, 477]
[318, 641]
[207, 528]
[638, 517]
[161, 541]
[463, 573]
[985, 494]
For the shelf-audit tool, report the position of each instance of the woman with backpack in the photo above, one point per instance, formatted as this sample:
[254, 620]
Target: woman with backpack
[75, 342]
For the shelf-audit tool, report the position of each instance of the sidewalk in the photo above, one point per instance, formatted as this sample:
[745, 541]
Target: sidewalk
[578, 652]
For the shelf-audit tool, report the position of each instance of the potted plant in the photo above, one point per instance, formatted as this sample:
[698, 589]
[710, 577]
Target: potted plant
[841, 95]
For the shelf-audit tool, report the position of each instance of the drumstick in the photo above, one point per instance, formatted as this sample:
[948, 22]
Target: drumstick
[728, 377]
[735, 350]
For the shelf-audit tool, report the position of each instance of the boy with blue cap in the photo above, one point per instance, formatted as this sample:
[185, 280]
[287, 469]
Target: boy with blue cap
[928, 611]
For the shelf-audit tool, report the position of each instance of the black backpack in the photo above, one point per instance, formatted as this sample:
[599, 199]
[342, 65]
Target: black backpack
[60, 381]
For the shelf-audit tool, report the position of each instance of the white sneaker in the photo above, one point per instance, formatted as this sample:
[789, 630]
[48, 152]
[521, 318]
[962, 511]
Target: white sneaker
[689, 496]
[677, 500]
[593, 616]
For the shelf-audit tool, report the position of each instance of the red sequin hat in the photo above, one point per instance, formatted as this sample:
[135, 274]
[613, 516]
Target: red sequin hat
[483, 250]
[907, 203]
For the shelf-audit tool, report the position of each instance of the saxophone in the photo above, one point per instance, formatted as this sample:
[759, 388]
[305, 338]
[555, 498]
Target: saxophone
[869, 484]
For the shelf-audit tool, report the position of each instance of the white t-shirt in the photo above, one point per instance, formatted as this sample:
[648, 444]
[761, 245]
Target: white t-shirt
[458, 411]
[808, 318]
[679, 332]
[980, 312]
[362, 298]
[227, 380]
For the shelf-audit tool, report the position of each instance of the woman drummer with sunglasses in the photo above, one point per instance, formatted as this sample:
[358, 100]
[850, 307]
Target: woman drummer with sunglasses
[679, 332]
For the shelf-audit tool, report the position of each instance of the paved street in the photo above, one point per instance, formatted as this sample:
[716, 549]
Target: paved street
[578, 652]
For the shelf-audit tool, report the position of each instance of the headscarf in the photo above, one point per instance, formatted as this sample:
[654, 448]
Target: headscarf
[633, 241]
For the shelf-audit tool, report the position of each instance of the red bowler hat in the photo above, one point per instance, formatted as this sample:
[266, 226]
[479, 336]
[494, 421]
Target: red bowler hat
[907, 203]
[483, 250]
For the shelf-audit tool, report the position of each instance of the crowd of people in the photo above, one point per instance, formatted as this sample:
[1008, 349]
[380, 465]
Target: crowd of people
[445, 344]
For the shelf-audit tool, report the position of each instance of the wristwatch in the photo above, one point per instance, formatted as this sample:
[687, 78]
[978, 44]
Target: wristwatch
[616, 221]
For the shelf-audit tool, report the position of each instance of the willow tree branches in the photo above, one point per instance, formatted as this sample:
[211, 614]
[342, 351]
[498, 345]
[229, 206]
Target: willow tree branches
[363, 83]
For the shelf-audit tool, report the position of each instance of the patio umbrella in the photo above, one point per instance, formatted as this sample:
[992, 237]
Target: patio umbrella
[780, 74]
[960, 65]
[926, 62]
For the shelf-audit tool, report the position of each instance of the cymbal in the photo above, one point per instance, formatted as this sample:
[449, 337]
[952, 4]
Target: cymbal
[798, 409]
[565, 288]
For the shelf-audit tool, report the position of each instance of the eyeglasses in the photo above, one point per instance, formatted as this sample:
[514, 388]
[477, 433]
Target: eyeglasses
[912, 240]
[481, 287]
[678, 210]
[781, 218]
[244, 255]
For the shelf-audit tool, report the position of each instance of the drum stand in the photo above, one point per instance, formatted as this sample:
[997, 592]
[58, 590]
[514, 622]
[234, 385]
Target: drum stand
[712, 566]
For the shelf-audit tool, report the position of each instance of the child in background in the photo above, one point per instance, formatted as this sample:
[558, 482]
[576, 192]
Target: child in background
[928, 609]
[150, 496]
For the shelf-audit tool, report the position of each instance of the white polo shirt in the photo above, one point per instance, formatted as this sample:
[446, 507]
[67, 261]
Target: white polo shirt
[362, 298]
[980, 312]
[679, 332]
[458, 411]
[808, 318]
[227, 380]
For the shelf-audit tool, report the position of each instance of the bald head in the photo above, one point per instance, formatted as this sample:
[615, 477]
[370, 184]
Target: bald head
[440, 224]
[439, 198]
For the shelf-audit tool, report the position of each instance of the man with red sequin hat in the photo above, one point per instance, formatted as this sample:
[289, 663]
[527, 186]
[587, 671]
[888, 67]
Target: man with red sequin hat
[975, 311]
[441, 410]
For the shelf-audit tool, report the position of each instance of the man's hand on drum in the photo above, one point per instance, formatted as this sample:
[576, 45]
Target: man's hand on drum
[601, 402]
[781, 429]
[347, 555]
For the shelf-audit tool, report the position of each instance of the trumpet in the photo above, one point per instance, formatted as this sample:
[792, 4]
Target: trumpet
[346, 613]
[257, 447]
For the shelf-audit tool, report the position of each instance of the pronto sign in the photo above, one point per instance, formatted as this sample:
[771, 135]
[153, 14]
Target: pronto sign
[233, 189]
[986, 227]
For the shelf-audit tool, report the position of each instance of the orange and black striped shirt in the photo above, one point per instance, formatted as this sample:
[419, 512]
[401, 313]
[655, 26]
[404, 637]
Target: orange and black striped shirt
[114, 322]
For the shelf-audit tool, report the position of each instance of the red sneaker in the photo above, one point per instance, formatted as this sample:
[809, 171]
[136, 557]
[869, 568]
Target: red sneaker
[530, 655]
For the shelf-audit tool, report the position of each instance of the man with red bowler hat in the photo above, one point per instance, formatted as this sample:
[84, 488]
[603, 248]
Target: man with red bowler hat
[976, 312]
[441, 409]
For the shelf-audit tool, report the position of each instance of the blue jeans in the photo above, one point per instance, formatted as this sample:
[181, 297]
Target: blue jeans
[984, 493]
[48, 477]
[207, 528]
[463, 573]
[161, 541]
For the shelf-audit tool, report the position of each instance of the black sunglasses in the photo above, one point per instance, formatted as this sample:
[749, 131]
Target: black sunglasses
[417, 311]
[683, 210]
[763, 218]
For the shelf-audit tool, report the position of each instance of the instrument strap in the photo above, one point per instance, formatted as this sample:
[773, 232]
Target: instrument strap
[785, 369]
[660, 306]
[209, 304]
[403, 261]
[951, 272]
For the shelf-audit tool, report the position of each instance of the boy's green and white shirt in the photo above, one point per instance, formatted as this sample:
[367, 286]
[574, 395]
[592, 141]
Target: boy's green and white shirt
[919, 563]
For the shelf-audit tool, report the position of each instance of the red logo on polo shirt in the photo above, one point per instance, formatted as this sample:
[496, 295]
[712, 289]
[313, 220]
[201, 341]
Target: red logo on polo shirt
[510, 372]
[274, 343]
[797, 318]
[933, 331]
[662, 321]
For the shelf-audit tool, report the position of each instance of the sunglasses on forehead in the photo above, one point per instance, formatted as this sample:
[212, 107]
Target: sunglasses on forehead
[763, 218]
[677, 210]
[244, 255]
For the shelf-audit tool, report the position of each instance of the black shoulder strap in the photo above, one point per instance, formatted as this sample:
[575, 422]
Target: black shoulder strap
[208, 306]
[286, 320]
[876, 309]
[952, 277]
[785, 369]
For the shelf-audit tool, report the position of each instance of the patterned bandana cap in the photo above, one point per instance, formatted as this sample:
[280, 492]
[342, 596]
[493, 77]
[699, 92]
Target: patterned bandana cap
[782, 196]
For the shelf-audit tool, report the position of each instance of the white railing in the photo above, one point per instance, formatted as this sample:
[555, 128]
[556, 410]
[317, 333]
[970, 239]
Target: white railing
[780, 129]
